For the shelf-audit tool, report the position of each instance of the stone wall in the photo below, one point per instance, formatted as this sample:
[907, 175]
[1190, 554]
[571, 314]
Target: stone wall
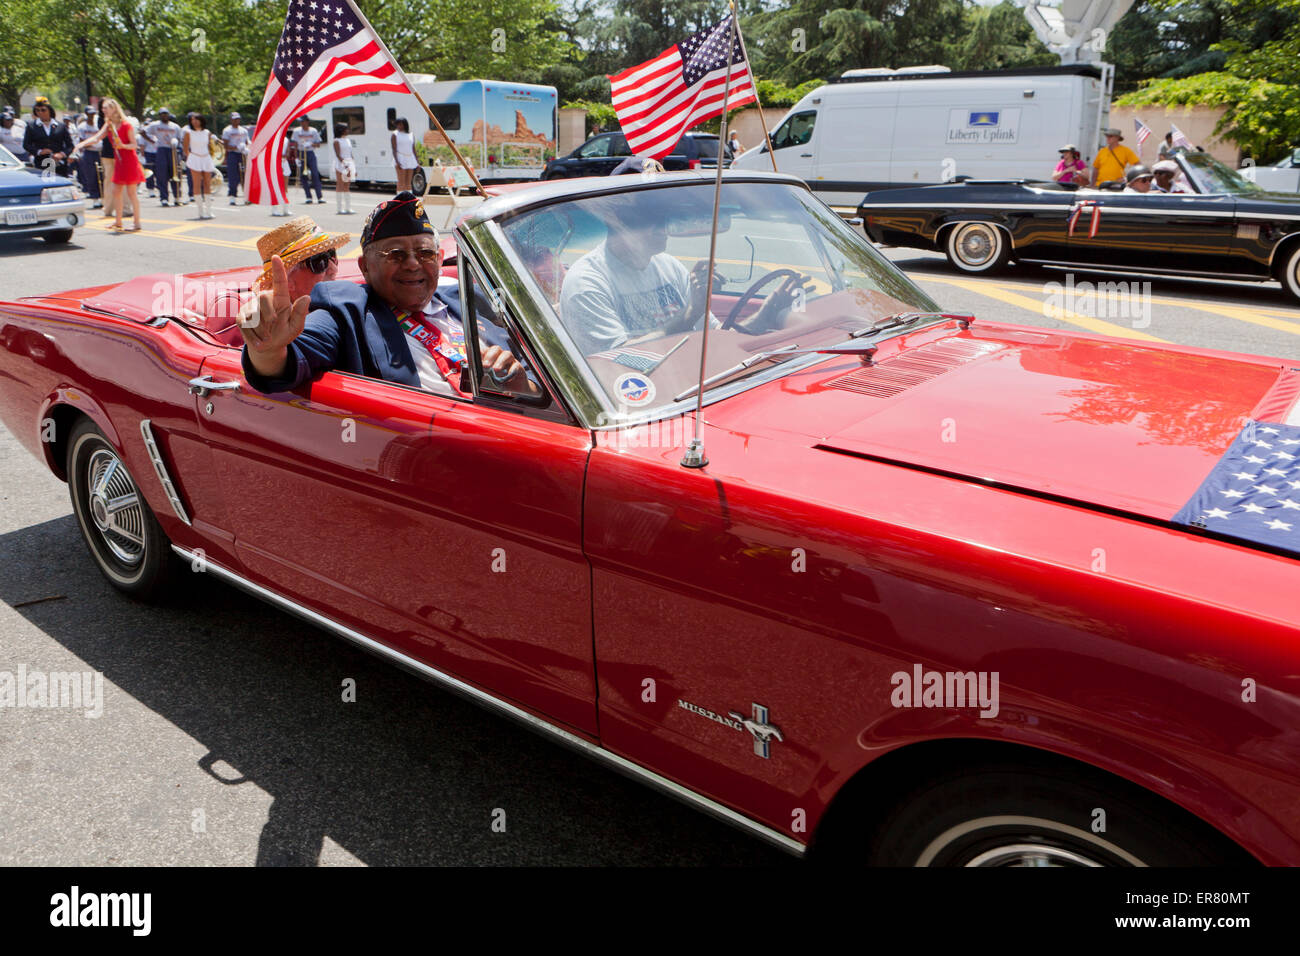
[1196, 122]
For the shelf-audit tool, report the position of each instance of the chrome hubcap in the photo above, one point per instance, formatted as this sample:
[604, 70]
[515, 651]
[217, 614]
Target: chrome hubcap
[1023, 841]
[115, 507]
[975, 245]
[1030, 854]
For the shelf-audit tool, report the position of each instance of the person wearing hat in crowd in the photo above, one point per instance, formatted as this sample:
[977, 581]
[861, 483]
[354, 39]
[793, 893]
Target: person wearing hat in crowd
[1071, 168]
[88, 164]
[399, 325]
[1166, 171]
[1138, 179]
[306, 139]
[1112, 159]
[164, 134]
[46, 140]
[235, 138]
[11, 136]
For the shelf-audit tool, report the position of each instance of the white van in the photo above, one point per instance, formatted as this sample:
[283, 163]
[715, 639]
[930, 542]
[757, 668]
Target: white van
[507, 130]
[876, 129]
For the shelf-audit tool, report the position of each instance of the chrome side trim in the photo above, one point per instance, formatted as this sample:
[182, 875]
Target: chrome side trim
[146, 429]
[447, 682]
[1143, 270]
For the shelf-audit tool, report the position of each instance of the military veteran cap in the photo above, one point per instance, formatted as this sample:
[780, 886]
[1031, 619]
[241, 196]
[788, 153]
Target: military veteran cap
[403, 215]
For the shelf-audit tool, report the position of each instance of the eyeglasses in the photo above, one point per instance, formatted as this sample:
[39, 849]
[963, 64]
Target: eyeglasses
[425, 255]
[318, 264]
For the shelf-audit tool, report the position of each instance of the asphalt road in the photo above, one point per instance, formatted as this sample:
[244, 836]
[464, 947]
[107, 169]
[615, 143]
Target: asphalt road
[223, 737]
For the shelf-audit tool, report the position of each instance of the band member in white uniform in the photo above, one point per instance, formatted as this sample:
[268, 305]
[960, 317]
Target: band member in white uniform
[235, 137]
[404, 154]
[307, 139]
[198, 160]
[345, 169]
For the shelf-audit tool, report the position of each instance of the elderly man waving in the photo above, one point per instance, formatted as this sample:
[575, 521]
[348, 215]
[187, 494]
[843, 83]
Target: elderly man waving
[396, 326]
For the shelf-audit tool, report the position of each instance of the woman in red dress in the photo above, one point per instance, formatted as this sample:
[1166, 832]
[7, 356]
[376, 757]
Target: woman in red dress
[127, 172]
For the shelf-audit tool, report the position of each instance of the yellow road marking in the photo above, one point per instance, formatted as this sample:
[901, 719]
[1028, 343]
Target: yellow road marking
[1099, 326]
[177, 230]
[1251, 314]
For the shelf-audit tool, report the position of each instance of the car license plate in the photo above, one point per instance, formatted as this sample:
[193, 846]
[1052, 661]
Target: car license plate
[21, 217]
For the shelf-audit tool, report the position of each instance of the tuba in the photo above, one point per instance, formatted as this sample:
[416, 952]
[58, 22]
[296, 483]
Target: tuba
[216, 149]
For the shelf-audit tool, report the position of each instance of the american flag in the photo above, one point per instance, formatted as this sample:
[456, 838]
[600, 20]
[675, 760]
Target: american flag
[1143, 131]
[682, 87]
[640, 359]
[1253, 493]
[326, 52]
[1180, 138]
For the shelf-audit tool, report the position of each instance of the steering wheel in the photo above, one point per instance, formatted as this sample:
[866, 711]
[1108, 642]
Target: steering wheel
[752, 290]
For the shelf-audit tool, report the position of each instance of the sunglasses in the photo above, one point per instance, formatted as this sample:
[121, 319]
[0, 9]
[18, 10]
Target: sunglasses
[318, 264]
[425, 255]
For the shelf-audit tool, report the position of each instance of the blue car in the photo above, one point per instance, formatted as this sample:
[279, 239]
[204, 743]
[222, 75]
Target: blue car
[32, 203]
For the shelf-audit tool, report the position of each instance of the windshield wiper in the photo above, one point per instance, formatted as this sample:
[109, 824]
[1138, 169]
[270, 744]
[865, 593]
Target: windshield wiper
[900, 319]
[886, 324]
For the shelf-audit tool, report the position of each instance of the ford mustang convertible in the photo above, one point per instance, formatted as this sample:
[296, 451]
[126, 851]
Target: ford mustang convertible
[930, 590]
[1221, 226]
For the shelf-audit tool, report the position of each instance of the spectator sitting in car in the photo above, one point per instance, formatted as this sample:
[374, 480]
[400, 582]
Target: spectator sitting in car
[1071, 168]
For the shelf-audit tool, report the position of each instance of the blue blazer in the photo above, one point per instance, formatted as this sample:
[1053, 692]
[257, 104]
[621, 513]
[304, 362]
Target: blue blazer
[351, 329]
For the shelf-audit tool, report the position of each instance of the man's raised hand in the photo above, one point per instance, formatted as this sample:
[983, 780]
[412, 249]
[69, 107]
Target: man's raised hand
[271, 320]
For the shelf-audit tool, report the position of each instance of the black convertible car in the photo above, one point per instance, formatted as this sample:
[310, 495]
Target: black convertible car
[1222, 226]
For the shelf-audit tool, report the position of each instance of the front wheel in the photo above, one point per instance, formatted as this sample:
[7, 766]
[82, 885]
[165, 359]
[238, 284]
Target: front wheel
[59, 236]
[116, 522]
[1290, 275]
[977, 247]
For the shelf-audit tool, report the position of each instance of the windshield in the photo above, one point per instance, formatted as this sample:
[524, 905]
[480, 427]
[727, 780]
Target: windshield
[1213, 176]
[7, 158]
[624, 274]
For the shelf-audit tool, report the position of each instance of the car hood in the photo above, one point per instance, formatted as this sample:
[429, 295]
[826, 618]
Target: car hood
[1105, 422]
[25, 181]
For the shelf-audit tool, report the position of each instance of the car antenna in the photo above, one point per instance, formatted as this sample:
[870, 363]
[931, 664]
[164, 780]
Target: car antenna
[694, 456]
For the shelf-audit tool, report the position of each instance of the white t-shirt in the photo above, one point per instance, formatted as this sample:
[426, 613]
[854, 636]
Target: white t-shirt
[604, 301]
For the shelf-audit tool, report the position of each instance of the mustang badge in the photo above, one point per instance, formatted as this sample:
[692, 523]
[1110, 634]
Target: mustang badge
[758, 727]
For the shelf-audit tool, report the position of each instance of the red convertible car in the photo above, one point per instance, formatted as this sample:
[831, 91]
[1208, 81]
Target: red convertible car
[946, 592]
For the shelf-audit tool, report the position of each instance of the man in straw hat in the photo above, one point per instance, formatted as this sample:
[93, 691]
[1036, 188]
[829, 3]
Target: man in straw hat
[398, 325]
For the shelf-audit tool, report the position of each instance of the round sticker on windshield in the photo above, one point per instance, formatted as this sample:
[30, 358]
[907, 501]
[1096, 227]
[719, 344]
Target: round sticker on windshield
[634, 388]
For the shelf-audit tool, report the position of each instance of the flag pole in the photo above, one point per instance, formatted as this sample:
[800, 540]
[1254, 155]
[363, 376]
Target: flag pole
[758, 100]
[423, 105]
[694, 456]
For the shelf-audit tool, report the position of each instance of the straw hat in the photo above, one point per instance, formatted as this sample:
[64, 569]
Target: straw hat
[296, 241]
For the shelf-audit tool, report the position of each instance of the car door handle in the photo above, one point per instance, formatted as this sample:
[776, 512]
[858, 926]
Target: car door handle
[204, 385]
[805, 155]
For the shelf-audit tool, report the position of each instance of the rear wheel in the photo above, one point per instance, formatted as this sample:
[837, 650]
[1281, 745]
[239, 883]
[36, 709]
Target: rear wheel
[116, 522]
[1014, 815]
[977, 247]
[1290, 274]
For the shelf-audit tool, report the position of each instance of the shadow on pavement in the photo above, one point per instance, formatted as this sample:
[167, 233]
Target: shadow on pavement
[407, 775]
